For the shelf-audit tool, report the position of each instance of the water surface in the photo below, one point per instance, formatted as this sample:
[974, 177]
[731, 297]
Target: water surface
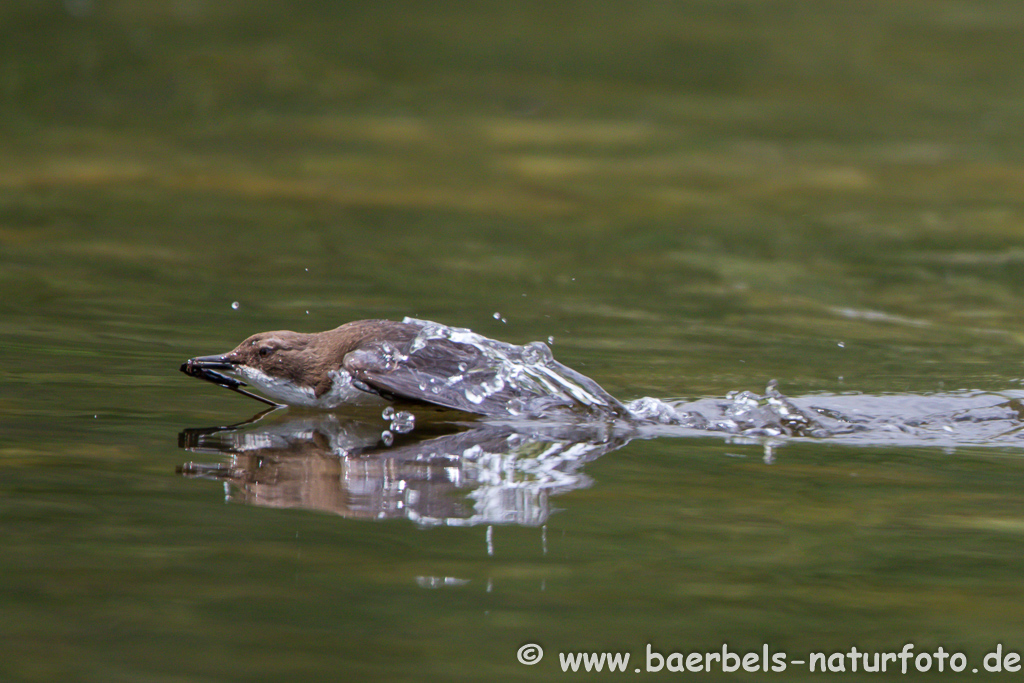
[690, 199]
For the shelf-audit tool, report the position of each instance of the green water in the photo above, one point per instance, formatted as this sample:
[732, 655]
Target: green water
[690, 198]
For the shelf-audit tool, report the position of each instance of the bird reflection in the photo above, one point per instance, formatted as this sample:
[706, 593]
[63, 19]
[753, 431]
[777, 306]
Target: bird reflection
[443, 472]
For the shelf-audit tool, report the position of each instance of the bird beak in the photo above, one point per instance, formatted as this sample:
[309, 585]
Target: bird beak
[206, 367]
[210, 362]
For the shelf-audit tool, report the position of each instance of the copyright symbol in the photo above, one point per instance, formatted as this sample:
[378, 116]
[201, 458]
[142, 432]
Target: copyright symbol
[530, 654]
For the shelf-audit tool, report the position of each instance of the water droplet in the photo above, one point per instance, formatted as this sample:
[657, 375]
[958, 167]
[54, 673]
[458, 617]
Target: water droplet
[536, 353]
[842, 345]
[497, 316]
[551, 340]
[387, 437]
[388, 413]
[493, 385]
[390, 357]
[235, 305]
[428, 332]
[473, 396]
[403, 422]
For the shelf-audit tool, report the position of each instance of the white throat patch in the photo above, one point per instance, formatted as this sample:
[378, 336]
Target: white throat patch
[342, 391]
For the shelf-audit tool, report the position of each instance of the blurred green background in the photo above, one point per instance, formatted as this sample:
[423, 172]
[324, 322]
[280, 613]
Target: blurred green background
[689, 197]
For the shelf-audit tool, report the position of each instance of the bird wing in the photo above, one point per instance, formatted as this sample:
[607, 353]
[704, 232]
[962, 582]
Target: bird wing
[486, 378]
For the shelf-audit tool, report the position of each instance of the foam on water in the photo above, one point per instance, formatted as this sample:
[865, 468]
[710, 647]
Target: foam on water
[946, 419]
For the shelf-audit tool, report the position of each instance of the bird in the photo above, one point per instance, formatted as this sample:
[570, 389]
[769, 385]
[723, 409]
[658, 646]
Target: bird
[375, 362]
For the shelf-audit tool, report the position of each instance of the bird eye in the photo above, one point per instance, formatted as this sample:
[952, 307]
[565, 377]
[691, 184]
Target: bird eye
[265, 351]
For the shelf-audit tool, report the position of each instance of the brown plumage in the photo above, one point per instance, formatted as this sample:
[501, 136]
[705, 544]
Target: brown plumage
[415, 361]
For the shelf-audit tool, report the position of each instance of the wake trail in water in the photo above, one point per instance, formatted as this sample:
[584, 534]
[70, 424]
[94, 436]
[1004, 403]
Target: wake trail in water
[468, 371]
[947, 419]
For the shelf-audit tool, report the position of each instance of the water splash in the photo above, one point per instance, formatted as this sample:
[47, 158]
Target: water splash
[948, 419]
[509, 380]
[527, 383]
[400, 421]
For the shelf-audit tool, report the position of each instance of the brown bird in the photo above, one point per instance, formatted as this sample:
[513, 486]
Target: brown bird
[377, 361]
